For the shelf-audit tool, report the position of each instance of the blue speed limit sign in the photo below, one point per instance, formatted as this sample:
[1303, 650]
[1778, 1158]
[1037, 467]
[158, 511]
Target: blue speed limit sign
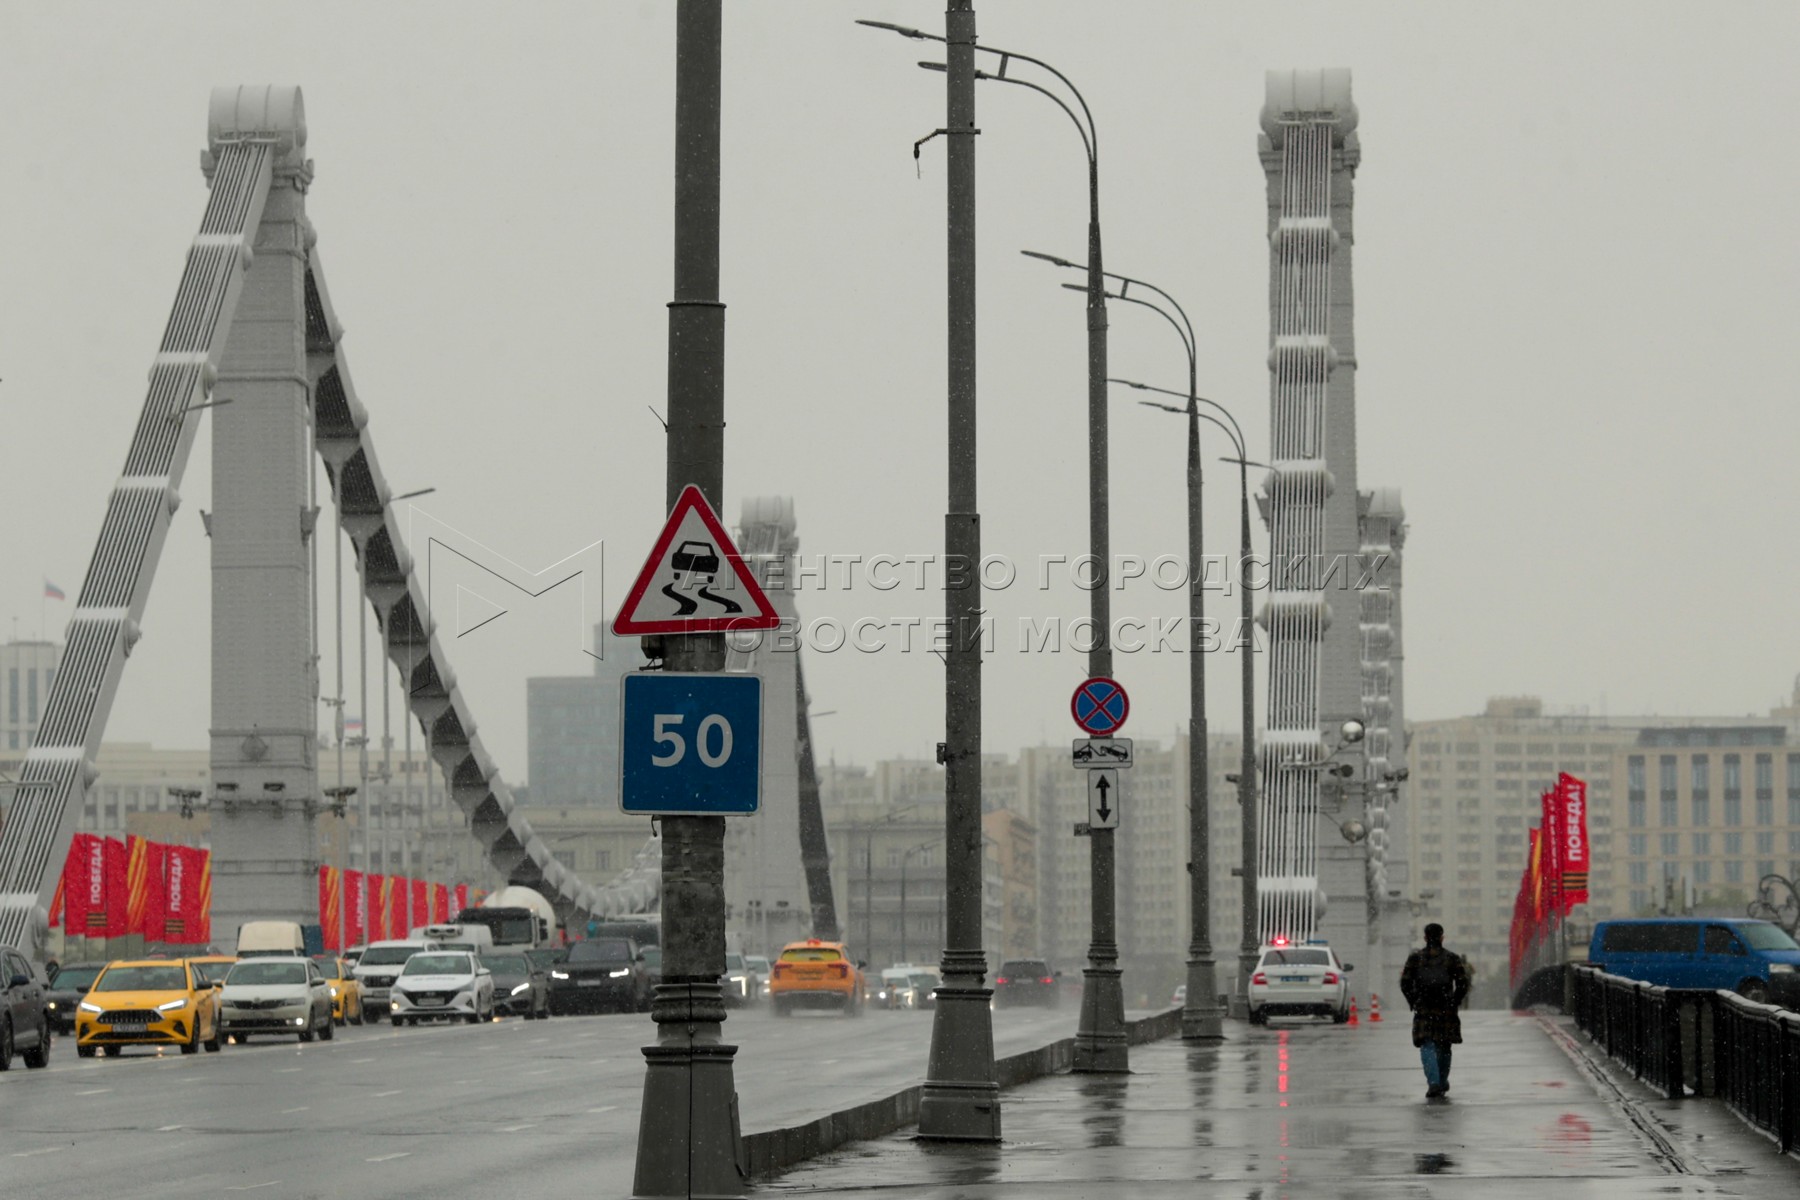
[690, 744]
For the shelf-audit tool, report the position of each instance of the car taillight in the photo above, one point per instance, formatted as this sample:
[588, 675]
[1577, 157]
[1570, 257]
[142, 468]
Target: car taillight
[842, 970]
[1260, 977]
[1048, 979]
[1001, 979]
[780, 967]
[1330, 977]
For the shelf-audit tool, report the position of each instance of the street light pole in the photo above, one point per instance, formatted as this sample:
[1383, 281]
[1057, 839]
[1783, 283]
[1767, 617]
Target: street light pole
[1250, 942]
[688, 1134]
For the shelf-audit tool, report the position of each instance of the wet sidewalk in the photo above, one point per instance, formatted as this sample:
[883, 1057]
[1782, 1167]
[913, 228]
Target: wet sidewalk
[1306, 1110]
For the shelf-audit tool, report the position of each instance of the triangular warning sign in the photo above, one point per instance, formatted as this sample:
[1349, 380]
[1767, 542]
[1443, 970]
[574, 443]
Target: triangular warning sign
[694, 580]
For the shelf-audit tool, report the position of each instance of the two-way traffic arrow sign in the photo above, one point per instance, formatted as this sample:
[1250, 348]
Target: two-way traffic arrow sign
[1103, 798]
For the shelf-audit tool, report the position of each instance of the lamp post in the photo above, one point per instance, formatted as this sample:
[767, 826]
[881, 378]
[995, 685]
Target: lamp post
[1200, 1015]
[960, 1100]
[1100, 1039]
[1250, 942]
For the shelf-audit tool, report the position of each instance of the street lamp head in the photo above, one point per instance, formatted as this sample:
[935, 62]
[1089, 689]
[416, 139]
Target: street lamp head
[1054, 261]
[1352, 732]
[903, 30]
[1165, 407]
[1354, 831]
[935, 66]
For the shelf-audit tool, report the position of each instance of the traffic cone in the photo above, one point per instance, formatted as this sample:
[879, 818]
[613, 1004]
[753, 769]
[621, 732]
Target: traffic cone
[1374, 1008]
[1353, 1017]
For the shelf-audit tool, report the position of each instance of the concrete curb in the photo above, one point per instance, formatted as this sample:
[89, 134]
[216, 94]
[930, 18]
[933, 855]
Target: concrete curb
[761, 1155]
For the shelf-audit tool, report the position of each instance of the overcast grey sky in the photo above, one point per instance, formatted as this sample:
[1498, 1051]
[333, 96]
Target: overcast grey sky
[1575, 292]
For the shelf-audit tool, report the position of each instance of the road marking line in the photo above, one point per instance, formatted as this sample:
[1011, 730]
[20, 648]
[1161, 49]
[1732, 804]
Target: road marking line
[381, 1095]
[390, 1157]
[516, 1128]
[604, 1108]
[93, 1091]
[251, 1187]
[167, 1128]
[284, 1071]
[45, 1150]
[286, 1111]
[362, 1060]
[545, 1071]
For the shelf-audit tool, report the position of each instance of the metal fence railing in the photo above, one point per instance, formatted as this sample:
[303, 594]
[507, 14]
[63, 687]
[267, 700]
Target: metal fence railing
[1698, 1043]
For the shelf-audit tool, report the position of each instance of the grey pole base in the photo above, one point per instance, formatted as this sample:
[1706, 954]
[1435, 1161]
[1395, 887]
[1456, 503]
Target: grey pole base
[960, 1101]
[1101, 1045]
[688, 1131]
[1201, 1017]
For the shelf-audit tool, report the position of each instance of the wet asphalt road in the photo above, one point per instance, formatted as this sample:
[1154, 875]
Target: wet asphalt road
[510, 1109]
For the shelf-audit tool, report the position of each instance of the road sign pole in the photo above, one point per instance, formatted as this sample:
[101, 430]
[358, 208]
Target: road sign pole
[688, 1136]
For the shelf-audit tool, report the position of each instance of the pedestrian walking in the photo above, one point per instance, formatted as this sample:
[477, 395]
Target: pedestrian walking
[1435, 983]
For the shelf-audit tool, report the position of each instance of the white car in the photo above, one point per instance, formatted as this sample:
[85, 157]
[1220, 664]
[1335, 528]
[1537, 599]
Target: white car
[1303, 979]
[378, 966]
[742, 982]
[442, 983]
[275, 995]
[762, 969]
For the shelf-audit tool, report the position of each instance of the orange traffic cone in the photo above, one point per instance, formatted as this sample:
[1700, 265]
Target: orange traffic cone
[1374, 1008]
[1353, 1017]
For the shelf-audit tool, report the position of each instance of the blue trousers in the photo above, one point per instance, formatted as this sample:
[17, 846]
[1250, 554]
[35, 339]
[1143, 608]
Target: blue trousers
[1435, 1057]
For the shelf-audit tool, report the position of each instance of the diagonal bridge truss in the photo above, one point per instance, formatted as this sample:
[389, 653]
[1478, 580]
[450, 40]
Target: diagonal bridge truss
[252, 308]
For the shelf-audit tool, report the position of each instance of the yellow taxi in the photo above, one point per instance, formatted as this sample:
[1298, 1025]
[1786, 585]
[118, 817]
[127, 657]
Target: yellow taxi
[148, 1002]
[346, 990]
[816, 974]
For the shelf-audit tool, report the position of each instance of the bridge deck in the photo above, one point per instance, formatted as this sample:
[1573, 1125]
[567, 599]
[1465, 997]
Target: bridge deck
[1532, 1107]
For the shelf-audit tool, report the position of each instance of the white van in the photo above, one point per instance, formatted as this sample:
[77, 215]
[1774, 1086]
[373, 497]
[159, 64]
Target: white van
[283, 939]
[379, 965]
[477, 939]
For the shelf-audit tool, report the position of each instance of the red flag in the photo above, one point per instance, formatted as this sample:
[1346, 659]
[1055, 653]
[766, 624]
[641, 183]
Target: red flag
[205, 935]
[356, 908]
[56, 901]
[440, 903]
[1551, 849]
[185, 899]
[137, 864]
[84, 894]
[1572, 837]
[115, 920]
[377, 911]
[421, 903]
[459, 898]
[155, 916]
[398, 892]
[331, 916]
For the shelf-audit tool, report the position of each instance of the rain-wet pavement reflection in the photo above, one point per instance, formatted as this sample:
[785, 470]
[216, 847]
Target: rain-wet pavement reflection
[1306, 1110]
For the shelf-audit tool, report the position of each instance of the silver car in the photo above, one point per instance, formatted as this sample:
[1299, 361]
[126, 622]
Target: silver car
[743, 983]
[275, 996]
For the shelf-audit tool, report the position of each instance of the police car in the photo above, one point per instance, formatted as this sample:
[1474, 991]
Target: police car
[1303, 979]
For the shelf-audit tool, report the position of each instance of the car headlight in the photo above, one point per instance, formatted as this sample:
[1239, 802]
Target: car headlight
[172, 1005]
[51, 1005]
[559, 974]
[1781, 968]
[621, 973]
[334, 993]
[523, 987]
[93, 1008]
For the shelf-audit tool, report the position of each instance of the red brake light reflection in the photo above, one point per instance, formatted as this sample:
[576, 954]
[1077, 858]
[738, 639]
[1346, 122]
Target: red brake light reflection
[1001, 979]
[1048, 979]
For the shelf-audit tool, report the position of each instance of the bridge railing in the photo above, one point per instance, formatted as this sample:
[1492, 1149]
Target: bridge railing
[1684, 1042]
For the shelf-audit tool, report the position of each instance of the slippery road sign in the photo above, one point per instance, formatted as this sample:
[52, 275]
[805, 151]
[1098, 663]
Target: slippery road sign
[694, 580]
[1103, 798]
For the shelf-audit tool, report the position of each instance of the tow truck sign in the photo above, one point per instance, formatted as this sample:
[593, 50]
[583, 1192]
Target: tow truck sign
[1091, 754]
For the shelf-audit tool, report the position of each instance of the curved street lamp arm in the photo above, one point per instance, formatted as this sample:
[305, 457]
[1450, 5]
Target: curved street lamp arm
[1186, 335]
[1145, 387]
[1087, 144]
[1126, 280]
[1094, 147]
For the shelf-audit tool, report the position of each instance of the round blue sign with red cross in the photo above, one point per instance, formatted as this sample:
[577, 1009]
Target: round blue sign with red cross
[1100, 706]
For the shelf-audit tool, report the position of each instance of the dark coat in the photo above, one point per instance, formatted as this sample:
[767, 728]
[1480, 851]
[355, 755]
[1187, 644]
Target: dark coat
[1435, 1021]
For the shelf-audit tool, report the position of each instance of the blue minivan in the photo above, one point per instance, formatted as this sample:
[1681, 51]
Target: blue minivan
[1756, 959]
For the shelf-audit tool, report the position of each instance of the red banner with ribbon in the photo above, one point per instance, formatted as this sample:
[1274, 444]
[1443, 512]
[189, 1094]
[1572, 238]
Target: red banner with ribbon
[356, 908]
